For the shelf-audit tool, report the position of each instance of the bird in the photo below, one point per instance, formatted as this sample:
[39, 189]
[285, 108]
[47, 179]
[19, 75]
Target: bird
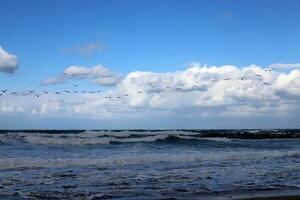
[13, 93]
[45, 92]
[139, 92]
[126, 95]
[181, 84]
[83, 92]
[268, 70]
[149, 83]
[266, 83]
[118, 97]
[75, 92]
[31, 91]
[4, 90]
[67, 91]
[242, 78]
[57, 93]
[99, 91]
[37, 95]
[227, 79]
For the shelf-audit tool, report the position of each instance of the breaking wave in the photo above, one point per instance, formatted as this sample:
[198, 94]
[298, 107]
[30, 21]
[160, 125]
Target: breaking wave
[133, 136]
[129, 159]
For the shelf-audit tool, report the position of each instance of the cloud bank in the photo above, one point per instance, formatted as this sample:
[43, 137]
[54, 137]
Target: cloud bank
[198, 92]
[8, 62]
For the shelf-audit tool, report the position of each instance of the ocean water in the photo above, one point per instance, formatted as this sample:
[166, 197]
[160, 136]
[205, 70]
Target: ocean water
[148, 164]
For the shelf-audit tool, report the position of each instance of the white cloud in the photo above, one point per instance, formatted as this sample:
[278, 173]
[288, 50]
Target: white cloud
[285, 65]
[98, 74]
[54, 80]
[198, 91]
[107, 81]
[85, 72]
[8, 62]
[289, 83]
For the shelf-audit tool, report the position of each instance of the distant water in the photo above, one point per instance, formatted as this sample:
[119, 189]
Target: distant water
[147, 164]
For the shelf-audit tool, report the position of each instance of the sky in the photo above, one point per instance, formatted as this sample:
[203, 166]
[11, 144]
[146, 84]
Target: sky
[149, 64]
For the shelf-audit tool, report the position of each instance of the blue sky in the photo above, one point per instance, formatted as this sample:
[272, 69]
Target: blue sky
[157, 36]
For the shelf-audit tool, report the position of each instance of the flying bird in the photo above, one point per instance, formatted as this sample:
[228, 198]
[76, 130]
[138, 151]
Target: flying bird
[45, 92]
[31, 91]
[4, 91]
[149, 83]
[57, 93]
[13, 93]
[37, 95]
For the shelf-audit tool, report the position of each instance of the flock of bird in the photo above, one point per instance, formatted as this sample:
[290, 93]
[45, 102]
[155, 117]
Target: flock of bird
[179, 87]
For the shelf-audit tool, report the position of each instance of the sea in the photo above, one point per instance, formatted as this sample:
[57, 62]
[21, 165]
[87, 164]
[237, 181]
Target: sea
[148, 164]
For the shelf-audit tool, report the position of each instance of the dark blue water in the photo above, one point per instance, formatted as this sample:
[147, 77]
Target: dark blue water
[147, 164]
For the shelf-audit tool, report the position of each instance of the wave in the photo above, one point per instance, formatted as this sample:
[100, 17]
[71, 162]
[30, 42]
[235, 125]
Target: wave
[133, 136]
[129, 159]
[90, 140]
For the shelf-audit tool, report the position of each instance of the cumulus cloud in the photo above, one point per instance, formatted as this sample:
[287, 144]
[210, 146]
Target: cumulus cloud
[285, 65]
[8, 62]
[199, 91]
[98, 74]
